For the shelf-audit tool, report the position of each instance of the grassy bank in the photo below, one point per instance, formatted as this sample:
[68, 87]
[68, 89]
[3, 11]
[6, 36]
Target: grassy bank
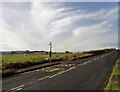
[113, 84]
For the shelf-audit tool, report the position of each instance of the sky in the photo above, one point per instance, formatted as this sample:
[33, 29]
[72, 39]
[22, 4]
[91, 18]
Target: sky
[73, 26]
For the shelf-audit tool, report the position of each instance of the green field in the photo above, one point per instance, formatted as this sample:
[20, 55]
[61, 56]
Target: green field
[13, 58]
[17, 61]
[113, 83]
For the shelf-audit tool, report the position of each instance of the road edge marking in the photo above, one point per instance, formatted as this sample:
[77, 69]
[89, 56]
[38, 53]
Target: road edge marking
[17, 87]
[43, 78]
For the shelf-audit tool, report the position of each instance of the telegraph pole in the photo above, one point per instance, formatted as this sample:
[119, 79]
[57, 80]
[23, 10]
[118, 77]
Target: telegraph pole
[50, 53]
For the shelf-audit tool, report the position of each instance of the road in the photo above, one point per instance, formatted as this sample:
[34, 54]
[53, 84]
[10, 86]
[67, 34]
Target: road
[84, 74]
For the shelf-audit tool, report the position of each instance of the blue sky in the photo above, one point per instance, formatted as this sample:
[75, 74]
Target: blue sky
[74, 26]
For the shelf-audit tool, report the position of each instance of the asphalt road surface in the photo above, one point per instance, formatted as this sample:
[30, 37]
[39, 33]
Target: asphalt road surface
[84, 74]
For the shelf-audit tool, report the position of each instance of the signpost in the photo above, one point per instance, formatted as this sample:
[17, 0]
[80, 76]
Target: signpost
[50, 53]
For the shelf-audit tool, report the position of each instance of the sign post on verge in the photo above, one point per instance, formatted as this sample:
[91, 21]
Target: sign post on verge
[50, 53]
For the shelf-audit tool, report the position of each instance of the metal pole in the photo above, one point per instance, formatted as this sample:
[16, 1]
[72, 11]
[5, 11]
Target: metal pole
[50, 54]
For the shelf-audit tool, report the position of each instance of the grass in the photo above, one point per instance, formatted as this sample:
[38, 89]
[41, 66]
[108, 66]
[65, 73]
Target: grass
[13, 58]
[113, 83]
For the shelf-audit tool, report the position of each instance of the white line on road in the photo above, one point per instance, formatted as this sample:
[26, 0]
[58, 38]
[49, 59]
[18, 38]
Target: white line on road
[86, 62]
[16, 90]
[89, 61]
[62, 72]
[54, 75]
[43, 78]
[17, 87]
[80, 64]
[95, 58]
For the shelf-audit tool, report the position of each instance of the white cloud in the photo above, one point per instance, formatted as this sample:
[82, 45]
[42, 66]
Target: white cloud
[43, 23]
[91, 37]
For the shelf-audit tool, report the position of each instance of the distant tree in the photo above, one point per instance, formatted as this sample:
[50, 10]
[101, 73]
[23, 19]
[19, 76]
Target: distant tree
[27, 51]
[67, 51]
[13, 52]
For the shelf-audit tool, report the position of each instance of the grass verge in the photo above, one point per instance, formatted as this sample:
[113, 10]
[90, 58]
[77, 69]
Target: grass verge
[113, 84]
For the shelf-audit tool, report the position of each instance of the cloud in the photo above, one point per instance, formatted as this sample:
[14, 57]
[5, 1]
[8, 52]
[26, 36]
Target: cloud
[68, 28]
[90, 37]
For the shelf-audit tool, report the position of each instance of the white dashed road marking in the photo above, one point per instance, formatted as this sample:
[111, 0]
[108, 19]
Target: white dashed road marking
[17, 87]
[43, 78]
[62, 72]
